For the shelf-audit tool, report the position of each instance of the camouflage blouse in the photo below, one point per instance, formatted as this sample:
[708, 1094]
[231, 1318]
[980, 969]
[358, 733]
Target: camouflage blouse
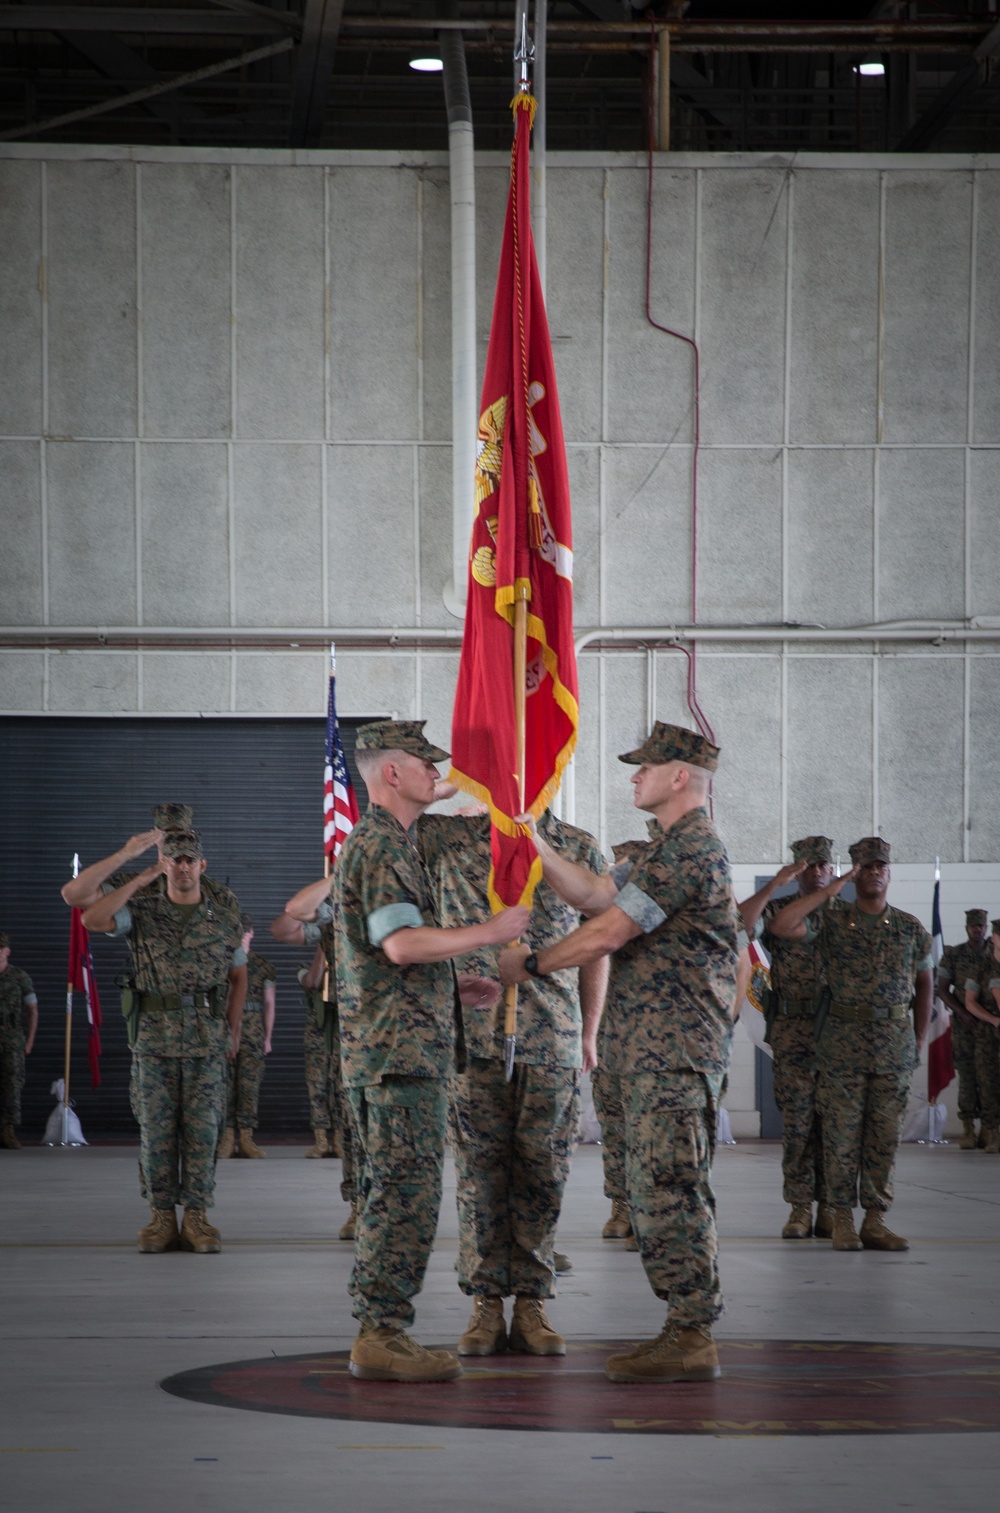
[869, 960]
[672, 988]
[16, 990]
[394, 1021]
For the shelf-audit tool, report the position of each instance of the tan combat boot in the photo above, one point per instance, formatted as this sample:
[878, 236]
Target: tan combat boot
[320, 1146]
[991, 1145]
[389, 1355]
[631, 1243]
[967, 1142]
[227, 1144]
[876, 1236]
[823, 1224]
[561, 1263]
[160, 1234]
[487, 1332]
[248, 1148]
[845, 1236]
[348, 1230]
[336, 1147]
[679, 1354]
[198, 1235]
[530, 1331]
[619, 1226]
[8, 1138]
[800, 1224]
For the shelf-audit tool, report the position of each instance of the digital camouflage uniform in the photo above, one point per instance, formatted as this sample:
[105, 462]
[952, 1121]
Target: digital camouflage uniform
[982, 983]
[16, 993]
[245, 1071]
[796, 981]
[181, 959]
[399, 1033]
[328, 1107]
[513, 1140]
[670, 1005]
[959, 965]
[605, 1079]
[866, 1051]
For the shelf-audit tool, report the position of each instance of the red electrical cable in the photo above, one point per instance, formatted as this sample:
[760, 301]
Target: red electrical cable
[694, 706]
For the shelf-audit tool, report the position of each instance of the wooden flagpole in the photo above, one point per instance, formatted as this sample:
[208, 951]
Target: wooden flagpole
[69, 1026]
[326, 855]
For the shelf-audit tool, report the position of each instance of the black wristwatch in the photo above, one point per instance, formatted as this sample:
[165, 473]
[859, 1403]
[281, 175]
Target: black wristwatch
[530, 965]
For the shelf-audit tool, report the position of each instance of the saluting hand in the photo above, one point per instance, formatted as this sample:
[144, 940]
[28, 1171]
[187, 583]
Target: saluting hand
[832, 889]
[137, 844]
[793, 870]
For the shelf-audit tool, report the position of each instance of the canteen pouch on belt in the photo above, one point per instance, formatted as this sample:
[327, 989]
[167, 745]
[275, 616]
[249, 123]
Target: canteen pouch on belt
[130, 1008]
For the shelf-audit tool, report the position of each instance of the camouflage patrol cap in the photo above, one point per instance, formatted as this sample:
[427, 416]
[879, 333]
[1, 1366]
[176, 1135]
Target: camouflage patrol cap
[4, 939]
[246, 921]
[183, 843]
[871, 848]
[673, 743]
[173, 816]
[995, 926]
[976, 916]
[814, 850]
[398, 735]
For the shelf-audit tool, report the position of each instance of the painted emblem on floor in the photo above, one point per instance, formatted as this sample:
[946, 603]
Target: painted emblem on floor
[768, 1387]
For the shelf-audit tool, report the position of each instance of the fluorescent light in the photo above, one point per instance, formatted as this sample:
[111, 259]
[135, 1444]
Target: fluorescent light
[872, 70]
[427, 65]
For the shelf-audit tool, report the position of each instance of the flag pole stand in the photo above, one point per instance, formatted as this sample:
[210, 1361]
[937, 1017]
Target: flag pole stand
[64, 1111]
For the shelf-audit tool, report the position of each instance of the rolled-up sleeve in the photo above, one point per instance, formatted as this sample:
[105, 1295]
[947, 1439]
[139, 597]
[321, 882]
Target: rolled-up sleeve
[391, 917]
[640, 908]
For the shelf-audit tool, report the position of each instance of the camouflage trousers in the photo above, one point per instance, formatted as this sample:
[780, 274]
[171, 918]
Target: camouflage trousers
[180, 1101]
[329, 1109]
[988, 1072]
[400, 1124]
[11, 1075]
[963, 1050]
[670, 1122]
[244, 1075]
[794, 1045]
[864, 1082]
[513, 1142]
[611, 1117]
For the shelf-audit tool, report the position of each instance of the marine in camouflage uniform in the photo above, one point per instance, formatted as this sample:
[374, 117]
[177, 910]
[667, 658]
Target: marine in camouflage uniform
[17, 999]
[330, 1111]
[671, 921]
[400, 1035]
[513, 1140]
[876, 964]
[981, 990]
[796, 982]
[959, 964]
[245, 1070]
[190, 983]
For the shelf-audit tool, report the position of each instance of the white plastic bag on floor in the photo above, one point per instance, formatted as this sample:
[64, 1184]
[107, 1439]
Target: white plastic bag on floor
[54, 1129]
[724, 1130]
[925, 1125]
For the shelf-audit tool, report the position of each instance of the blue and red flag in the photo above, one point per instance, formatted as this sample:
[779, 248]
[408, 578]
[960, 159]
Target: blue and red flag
[81, 979]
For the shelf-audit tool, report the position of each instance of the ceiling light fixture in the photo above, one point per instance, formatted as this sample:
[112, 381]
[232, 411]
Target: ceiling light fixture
[871, 70]
[427, 65]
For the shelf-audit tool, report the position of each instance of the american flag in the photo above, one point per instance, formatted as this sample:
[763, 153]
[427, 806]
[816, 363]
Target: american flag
[80, 978]
[340, 807]
[940, 1062]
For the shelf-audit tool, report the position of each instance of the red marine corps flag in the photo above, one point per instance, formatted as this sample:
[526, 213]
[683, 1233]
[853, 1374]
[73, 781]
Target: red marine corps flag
[515, 719]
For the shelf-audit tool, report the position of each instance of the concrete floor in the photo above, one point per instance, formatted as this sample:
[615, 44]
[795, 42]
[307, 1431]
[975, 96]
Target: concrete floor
[90, 1328]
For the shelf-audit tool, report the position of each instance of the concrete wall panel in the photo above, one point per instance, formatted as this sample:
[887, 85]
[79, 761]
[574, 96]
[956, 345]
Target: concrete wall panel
[372, 579]
[742, 698]
[584, 467]
[438, 676]
[921, 702]
[921, 522]
[830, 537]
[647, 535]
[650, 374]
[21, 595]
[185, 534]
[587, 759]
[984, 562]
[20, 299]
[373, 268]
[739, 536]
[22, 678]
[376, 684]
[281, 683]
[91, 504]
[279, 566]
[833, 371]
[742, 316]
[829, 749]
[434, 464]
[926, 306]
[984, 763]
[186, 681]
[625, 725]
[575, 237]
[986, 328]
[280, 296]
[92, 299]
[434, 424]
[186, 299]
[93, 682]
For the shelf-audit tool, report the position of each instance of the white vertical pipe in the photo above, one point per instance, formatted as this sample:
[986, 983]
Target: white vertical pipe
[464, 398]
[539, 197]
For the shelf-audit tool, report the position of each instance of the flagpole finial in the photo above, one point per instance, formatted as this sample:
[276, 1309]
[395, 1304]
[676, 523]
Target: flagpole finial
[524, 54]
